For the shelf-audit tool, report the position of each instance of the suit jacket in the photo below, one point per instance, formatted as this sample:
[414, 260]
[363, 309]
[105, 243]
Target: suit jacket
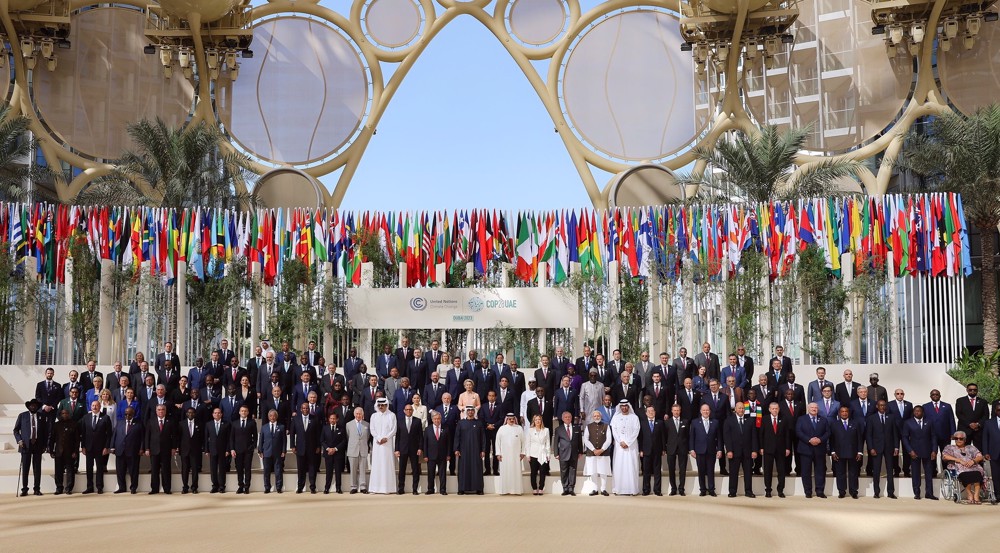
[217, 443]
[243, 440]
[171, 382]
[482, 384]
[740, 436]
[611, 377]
[310, 358]
[189, 443]
[566, 400]
[651, 441]
[227, 376]
[845, 396]
[942, 419]
[304, 440]
[806, 429]
[903, 416]
[515, 381]
[95, 437]
[883, 438]
[87, 380]
[967, 415]
[815, 393]
[747, 363]
[149, 408]
[403, 360]
[739, 373]
[786, 364]
[127, 441]
[991, 439]
[270, 444]
[550, 380]
[384, 363]
[545, 411]
[280, 357]
[284, 409]
[800, 393]
[22, 431]
[449, 417]
[560, 365]
[496, 418]
[160, 442]
[918, 438]
[860, 415]
[720, 407]
[766, 398]
[687, 368]
[830, 413]
[659, 400]
[225, 356]
[702, 442]
[409, 442]
[333, 437]
[567, 446]
[418, 373]
[402, 398]
[300, 396]
[633, 395]
[456, 382]
[583, 365]
[676, 440]
[69, 385]
[49, 395]
[775, 442]
[846, 442]
[357, 442]
[326, 384]
[436, 447]
[432, 398]
[113, 380]
[689, 409]
[159, 361]
[77, 413]
[711, 364]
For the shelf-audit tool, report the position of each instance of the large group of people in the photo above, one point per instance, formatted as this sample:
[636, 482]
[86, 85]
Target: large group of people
[361, 426]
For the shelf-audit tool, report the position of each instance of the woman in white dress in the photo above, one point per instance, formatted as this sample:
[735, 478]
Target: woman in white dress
[419, 410]
[444, 365]
[597, 448]
[538, 448]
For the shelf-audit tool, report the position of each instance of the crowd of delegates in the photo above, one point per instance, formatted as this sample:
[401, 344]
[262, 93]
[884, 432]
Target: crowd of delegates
[360, 426]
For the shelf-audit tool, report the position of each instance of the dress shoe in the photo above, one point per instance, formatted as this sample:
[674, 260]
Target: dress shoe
[724, 472]
[877, 495]
[809, 496]
[732, 495]
[326, 492]
[184, 492]
[713, 494]
[364, 492]
[644, 494]
[461, 493]
[891, 495]
[751, 495]
[59, 492]
[85, 492]
[917, 497]
[444, 493]
[398, 492]
[681, 492]
[703, 493]
[116, 492]
[757, 473]
[300, 491]
[168, 492]
[479, 493]
[354, 492]
[572, 493]
[593, 492]
[854, 495]
[99, 492]
[69, 492]
[24, 493]
[841, 495]
[566, 492]
[415, 492]
[821, 495]
[222, 490]
[486, 473]
[767, 494]
[605, 493]
[658, 494]
[340, 491]
[153, 493]
[133, 492]
[429, 492]
[214, 490]
[265, 492]
[931, 497]
[672, 493]
[781, 495]
[194, 490]
[279, 490]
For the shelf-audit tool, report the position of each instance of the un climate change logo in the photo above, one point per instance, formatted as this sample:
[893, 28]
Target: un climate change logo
[418, 304]
[476, 304]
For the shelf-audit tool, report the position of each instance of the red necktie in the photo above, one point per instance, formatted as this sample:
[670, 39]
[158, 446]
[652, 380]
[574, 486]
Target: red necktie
[437, 433]
[774, 424]
[161, 426]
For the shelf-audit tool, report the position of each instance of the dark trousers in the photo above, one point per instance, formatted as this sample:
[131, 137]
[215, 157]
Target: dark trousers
[306, 466]
[414, 463]
[32, 460]
[218, 466]
[677, 464]
[94, 460]
[490, 462]
[65, 475]
[735, 464]
[813, 472]
[651, 465]
[127, 464]
[771, 463]
[927, 465]
[436, 468]
[538, 473]
[846, 471]
[896, 464]
[453, 463]
[274, 464]
[190, 467]
[334, 470]
[159, 471]
[793, 457]
[877, 462]
[706, 471]
[244, 461]
[567, 473]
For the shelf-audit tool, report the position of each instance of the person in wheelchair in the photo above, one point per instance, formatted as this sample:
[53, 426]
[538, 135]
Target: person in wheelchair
[965, 459]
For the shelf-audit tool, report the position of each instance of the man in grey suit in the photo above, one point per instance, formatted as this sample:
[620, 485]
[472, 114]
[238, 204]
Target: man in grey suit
[272, 450]
[567, 450]
[358, 437]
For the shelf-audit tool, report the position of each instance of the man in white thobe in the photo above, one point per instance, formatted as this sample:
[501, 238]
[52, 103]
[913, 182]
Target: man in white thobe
[383, 429]
[625, 466]
[511, 443]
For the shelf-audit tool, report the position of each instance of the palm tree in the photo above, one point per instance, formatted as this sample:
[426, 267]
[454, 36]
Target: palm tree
[175, 168]
[962, 154]
[759, 167]
[15, 154]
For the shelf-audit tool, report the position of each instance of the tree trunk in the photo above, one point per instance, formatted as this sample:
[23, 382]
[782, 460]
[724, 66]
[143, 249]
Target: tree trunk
[988, 243]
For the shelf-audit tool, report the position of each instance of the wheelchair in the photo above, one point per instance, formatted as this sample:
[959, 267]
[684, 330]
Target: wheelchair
[951, 488]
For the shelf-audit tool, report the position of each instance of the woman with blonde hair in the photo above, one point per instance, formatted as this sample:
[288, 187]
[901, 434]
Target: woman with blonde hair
[538, 449]
[469, 397]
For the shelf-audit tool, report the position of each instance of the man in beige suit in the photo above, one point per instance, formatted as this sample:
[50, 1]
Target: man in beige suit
[358, 438]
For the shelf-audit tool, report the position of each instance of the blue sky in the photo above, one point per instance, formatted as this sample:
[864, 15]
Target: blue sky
[465, 130]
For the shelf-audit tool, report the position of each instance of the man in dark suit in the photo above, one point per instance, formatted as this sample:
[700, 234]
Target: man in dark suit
[685, 367]
[540, 406]
[740, 437]
[409, 448]
[417, 370]
[492, 417]
[169, 376]
[677, 429]
[813, 432]
[95, 427]
[652, 440]
[286, 357]
[329, 379]
[566, 447]
[73, 382]
[191, 436]
[402, 397]
[305, 432]
[216, 368]
[484, 379]
[583, 363]
[567, 399]
[779, 355]
[333, 444]
[616, 363]
[704, 445]
[114, 379]
[815, 390]
[311, 356]
[166, 355]
[160, 444]
[127, 447]
[847, 441]
[605, 373]
[271, 450]
[903, 410]
[449, 420]
[300, 393]
[658, 392]
[920, 445]
[746, 362]
[972, 412]
[353, 364]
[623, 390]
[224, 354]
[774, 436]
[717, 402]
[847, 391]
[861, 408]
[882, 437]
[766, 393]
[31, 432]
[404, 354]
[560, 363]
[546, 376]
[88, 376]
[196, 374]
[436, 454]
[431, 397]
[991, 441]
[432, 358]
[789, 384]
[941, 417]
[217, 449]
[734, 370]
[708, 359]
[230, 374]
[49, 393]
[688, 398]
[64, 446]
[242, 440]
[385, 361]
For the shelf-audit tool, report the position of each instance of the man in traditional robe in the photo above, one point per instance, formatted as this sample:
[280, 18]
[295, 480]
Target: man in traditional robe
[510, 451]
[597, 449]
[625, 432]
[469, 439]
[383, 430]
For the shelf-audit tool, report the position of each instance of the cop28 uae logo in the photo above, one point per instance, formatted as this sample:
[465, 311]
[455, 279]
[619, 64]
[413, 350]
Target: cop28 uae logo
[476, 304]
[418, 304]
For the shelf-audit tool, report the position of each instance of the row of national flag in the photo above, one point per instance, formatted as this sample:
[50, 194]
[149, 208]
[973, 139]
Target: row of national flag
[924, 234]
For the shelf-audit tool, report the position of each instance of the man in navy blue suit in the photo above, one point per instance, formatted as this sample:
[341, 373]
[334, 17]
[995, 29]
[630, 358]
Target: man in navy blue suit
[492, 417]
[409, 448]
[991, 441]
[705, 448]
[903, 410]
[333, 443]
[813, 432]
[49, 393]
[385, 361]
[941, 417]
[31, 432]
[920, 445]
[449, 420]
[352, 365]
[740, 438]
[847, 441]
[417, 371]
[882, 437]
[305, 434]
[126, 445]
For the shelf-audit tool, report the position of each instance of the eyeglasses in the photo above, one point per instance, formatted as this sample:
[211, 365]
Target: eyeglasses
[957, 439]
